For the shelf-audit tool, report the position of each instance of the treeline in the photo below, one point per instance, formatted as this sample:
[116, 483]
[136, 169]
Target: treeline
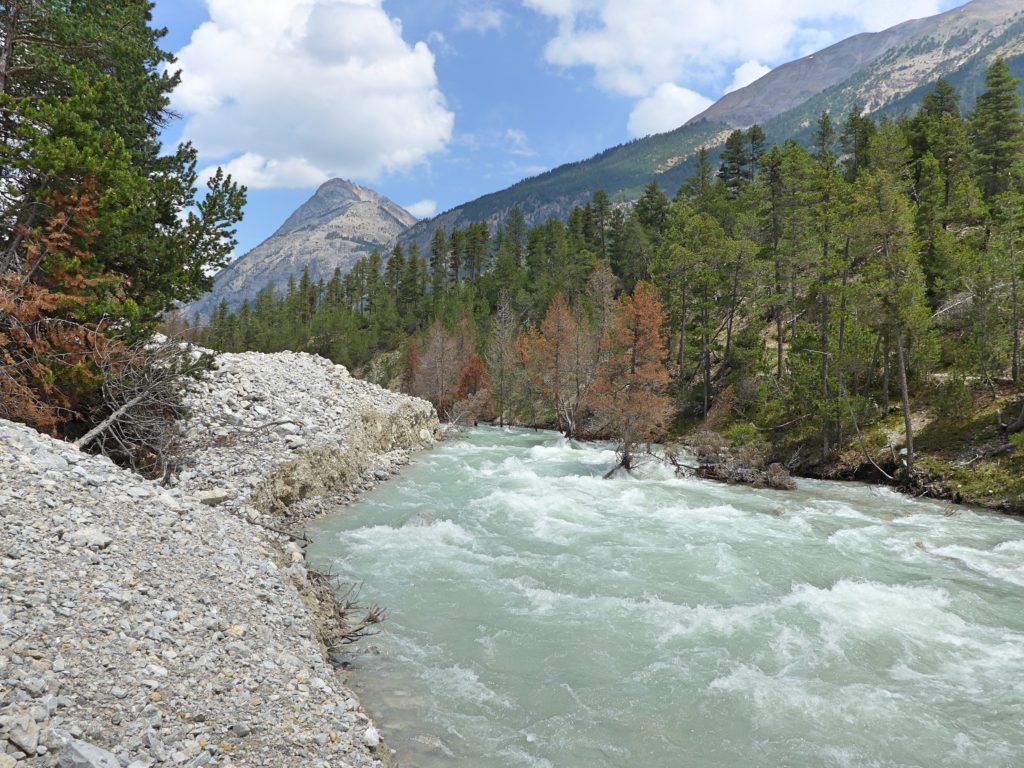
[807, 289]
[102, 232]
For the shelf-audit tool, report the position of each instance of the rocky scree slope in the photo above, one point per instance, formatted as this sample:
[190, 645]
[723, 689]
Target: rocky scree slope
[147, 626]
[336, 227]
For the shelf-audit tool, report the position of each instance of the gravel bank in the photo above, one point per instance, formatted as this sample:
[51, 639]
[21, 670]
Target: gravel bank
[143, 625]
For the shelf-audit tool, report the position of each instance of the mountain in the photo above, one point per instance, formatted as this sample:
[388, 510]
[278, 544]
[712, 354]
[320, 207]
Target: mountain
[341, 223]
[883, 73]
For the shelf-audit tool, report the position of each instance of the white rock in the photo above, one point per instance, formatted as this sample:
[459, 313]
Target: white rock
[215, 496]
[371, 738]
[79, 754]
[92, 538]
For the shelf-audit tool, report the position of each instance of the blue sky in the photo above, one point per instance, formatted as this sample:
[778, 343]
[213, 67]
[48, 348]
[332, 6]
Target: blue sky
[436, 102]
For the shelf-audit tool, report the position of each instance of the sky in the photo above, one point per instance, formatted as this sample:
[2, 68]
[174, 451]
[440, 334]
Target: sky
[437, 102]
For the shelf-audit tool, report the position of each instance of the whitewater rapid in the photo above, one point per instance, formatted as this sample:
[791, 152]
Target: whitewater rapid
[543, 616]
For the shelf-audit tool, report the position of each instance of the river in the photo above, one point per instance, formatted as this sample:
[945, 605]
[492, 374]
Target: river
[540, 615]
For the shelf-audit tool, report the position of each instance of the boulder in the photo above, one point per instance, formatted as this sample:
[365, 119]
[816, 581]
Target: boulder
[79, 754]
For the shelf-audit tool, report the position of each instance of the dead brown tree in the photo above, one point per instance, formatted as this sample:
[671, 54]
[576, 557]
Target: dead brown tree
[141, 401]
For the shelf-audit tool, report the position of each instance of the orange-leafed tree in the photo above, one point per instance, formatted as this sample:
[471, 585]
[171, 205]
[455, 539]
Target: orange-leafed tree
[474, 378]
[629, 398]
[564, 363]
[50, 337]
[473, 399]
[410, 367]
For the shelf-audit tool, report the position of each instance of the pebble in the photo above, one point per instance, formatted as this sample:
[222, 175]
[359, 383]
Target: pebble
[147, 626]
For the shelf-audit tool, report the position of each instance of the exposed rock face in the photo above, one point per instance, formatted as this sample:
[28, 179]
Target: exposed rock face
[886, 63]
[140, 626]
[340, 224]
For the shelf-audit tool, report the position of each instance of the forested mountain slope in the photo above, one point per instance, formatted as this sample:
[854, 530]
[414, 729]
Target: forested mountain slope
[885, 72]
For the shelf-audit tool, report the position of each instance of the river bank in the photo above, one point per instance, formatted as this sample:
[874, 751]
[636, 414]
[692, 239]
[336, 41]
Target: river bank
[145, 625]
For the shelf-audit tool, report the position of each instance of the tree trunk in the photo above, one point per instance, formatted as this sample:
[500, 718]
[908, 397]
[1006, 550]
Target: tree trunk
[1013, 427]
[10, 38]
[706, 364]
[826, 427]
[108, 422]
[905, 396]
[733, 301]
[842, 303]
[792, 307]
[779, 327]
[1015, 311]
[886, 354]
[682, 334]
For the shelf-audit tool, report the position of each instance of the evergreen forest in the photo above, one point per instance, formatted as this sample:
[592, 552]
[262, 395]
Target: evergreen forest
[813, 298]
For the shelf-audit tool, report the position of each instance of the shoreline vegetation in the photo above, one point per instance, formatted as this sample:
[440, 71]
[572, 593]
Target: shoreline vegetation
[851, 309]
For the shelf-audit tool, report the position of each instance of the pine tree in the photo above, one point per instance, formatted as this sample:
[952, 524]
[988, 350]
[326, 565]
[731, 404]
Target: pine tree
[651, 212]
[501, 357]
[998, 129]
[85, 89]
[758, 146]
[855, 140]
[893, 282]
[439, 272]
[734, 170]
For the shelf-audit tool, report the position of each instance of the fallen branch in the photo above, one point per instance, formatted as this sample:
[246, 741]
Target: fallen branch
[108, 422]
[863, 445]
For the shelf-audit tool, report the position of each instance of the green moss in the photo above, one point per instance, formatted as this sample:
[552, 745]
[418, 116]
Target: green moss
[996, 482]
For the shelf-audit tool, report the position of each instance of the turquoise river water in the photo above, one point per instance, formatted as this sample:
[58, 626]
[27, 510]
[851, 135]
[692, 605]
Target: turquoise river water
[540, 615]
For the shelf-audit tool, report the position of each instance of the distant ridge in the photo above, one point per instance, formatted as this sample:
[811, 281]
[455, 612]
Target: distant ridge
[884, 72]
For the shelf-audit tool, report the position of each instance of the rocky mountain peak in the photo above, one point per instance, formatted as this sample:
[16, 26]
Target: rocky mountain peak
[338, 225]
[333, 199]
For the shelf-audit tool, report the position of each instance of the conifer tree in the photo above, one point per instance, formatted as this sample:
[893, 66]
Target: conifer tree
[439, 262]
[998, 128]
[893, 282]
[758, 146]
[734, 170]
[629, 397]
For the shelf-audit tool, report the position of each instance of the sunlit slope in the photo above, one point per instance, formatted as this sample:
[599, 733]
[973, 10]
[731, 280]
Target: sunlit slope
[886, 73]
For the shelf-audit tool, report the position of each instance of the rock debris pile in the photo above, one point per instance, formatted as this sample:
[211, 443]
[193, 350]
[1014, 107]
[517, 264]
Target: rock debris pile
[144, 625]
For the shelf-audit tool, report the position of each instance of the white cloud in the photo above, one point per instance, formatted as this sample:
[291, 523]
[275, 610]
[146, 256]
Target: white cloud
[424, 209]
[292, 92]
[481, 19]
[746, 73]
[513, 141]
[518, 143]
[258, 172]
[439, 44]
[666, 109]
[635, 47]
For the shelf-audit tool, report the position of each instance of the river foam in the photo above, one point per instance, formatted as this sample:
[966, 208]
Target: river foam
[544, 616]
